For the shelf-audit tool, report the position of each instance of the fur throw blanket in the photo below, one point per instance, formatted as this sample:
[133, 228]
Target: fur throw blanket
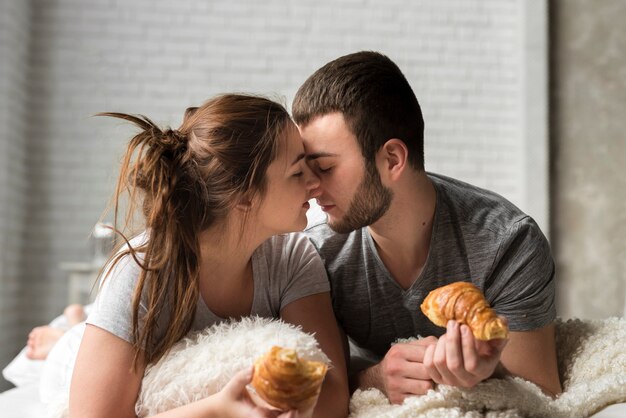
[202, 364]
[591, 354]
[592, 365]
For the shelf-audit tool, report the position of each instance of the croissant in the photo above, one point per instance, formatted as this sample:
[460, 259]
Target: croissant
[287, 382]
[466, 304]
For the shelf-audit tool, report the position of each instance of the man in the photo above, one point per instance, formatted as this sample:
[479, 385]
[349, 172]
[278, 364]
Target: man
[395, 232]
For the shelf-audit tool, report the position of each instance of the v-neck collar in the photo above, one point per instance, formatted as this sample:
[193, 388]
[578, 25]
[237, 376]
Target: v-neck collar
[204, 314]
[388, 276]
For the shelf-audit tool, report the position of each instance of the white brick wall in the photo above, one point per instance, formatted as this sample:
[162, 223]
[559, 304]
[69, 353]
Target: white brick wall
[14, 41]
[462, 57]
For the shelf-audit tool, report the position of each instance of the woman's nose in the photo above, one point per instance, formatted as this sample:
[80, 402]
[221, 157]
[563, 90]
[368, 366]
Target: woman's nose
[312, 183]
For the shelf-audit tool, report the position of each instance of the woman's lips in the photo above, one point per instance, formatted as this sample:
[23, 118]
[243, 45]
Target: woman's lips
[306, 205]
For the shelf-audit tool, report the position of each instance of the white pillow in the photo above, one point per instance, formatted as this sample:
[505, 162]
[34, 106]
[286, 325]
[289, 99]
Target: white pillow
[204, 362]
[24, 371]
[199, 365]
[56, 373]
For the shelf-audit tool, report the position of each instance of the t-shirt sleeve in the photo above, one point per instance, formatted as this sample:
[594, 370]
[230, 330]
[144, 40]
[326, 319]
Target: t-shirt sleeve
[521, 286]
[305, 274]
[112, 309]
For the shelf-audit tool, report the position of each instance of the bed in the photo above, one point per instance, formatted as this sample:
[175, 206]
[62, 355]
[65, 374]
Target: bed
[592, 359]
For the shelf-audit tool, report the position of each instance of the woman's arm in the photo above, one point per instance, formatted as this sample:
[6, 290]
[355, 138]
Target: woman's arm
[103, 382]
[104, 385]
[315, 315]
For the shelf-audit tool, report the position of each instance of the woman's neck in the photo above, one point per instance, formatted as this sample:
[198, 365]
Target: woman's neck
[224, 254]
[226, 273]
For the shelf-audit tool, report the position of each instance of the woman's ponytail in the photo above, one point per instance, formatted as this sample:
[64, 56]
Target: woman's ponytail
[188, 179]
[153, 168]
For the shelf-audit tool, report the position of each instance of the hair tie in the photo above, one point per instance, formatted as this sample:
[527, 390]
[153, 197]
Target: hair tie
[173, 140]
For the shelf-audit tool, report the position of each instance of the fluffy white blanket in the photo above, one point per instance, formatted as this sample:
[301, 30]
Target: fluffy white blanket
[592, 364]
[592, 361]
[202, 364]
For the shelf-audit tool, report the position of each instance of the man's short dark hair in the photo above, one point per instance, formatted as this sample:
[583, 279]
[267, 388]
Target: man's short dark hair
[374, 97]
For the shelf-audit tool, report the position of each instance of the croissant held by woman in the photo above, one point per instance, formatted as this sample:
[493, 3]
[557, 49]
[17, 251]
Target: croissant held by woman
[286, 381]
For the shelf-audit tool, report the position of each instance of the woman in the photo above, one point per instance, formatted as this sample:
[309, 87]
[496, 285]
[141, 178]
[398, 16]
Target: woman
[217, 193]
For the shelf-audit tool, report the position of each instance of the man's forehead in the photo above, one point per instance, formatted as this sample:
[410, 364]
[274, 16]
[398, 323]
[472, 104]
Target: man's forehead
[327, 136]
[320, 154]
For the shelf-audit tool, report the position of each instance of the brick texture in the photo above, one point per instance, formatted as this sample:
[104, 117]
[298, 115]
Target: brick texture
[14, 42]
[463, 59]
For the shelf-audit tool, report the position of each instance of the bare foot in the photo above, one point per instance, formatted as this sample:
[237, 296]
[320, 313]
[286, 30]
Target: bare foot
[41, 340]
[75, 314]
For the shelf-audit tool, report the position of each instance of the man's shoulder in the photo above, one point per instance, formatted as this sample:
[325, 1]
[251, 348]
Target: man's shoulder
[330, 243]
[476, 207]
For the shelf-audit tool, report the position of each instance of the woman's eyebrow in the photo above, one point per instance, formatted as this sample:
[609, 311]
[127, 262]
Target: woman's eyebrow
[298, 158]
[316, 155]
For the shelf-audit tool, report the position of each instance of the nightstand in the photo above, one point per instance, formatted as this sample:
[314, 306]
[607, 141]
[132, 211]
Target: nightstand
[81, 278]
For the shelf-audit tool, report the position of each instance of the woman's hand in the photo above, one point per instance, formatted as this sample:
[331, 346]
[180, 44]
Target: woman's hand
[234, 400]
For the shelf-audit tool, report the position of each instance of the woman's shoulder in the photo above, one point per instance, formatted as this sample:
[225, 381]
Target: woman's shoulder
[294, 243]
[126, 261]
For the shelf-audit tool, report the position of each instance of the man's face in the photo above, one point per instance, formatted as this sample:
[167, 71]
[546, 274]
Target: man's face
[350, 191]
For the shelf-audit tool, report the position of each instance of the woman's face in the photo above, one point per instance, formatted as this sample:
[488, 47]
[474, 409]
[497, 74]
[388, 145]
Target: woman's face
[290, 185]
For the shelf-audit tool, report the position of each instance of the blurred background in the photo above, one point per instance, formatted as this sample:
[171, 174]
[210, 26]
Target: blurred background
[526, 98]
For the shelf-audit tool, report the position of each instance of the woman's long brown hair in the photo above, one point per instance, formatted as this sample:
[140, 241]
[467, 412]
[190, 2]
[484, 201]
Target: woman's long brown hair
[187, 180]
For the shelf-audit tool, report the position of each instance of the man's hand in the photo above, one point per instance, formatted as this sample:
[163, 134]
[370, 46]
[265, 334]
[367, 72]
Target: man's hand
[458, 359]
[402, 371]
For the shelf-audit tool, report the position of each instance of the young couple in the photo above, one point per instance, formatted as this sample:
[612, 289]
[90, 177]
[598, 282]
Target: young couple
[220, 196]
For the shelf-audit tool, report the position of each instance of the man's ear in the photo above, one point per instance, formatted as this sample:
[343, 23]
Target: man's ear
[393, 158]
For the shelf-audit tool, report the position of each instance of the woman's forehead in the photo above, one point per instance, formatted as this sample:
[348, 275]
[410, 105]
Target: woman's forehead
[290, 144]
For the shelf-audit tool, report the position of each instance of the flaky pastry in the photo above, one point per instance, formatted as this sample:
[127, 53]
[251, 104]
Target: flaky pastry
[286, 381]
[466, 304]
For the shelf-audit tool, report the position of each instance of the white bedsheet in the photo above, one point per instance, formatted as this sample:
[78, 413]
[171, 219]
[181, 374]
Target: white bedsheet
[22, 402]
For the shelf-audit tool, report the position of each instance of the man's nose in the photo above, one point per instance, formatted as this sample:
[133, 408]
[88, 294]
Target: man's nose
[313, 184]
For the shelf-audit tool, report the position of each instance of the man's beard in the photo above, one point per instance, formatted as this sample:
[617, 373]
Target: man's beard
[370, 202]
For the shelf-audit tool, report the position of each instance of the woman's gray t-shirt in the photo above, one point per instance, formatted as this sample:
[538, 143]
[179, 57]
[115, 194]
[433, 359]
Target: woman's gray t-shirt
[285, 268]
[477, 236]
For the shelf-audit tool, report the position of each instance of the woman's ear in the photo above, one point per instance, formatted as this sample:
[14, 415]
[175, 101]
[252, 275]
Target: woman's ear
[244, 206]
[393, 158]
[246, 202]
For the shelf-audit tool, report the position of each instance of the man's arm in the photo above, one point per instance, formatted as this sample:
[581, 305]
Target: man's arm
[400, 373]
[532, 356]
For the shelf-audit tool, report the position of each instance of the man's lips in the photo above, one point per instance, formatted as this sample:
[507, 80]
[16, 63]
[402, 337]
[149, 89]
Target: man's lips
[326, 208]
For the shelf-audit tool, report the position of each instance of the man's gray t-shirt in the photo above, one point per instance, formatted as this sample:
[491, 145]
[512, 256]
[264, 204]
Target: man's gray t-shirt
[285, 268]
[477, 236]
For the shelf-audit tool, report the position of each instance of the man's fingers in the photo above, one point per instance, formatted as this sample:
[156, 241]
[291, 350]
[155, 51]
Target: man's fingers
[426, 341]
[429, 364]
[454, 354]
[405, 370]
[418, 386]
[490, 348]
[468, 347]
[408, 351]
[410, 387]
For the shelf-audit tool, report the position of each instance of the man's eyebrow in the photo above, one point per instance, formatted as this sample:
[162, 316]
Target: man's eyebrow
[316, 155]
[298, 158]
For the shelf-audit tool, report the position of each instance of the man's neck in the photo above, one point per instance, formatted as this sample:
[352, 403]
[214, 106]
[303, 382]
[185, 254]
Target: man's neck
[402, 235]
